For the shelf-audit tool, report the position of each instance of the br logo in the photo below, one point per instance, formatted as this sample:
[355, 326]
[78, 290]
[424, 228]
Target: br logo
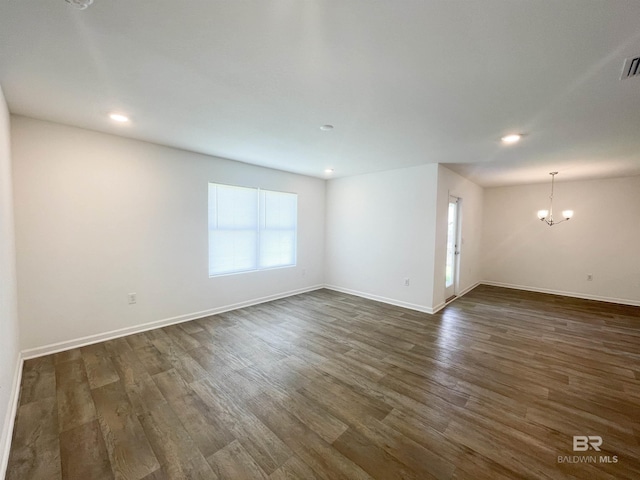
[582, 443]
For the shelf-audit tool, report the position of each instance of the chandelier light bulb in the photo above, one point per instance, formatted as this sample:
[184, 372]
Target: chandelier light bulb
[542, 214]
[567, 214]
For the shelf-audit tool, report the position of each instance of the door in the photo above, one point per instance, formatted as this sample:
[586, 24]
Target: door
[453, 251]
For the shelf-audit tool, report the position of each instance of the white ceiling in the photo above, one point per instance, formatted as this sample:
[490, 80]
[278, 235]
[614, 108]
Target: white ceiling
[404, 82]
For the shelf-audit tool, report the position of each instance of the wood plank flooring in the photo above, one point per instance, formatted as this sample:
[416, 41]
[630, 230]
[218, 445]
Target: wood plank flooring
[330, 386]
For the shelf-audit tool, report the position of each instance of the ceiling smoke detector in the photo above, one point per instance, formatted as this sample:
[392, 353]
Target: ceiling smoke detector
[79, 4]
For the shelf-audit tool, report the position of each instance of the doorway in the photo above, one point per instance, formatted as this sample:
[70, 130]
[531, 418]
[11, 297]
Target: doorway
[453, 249]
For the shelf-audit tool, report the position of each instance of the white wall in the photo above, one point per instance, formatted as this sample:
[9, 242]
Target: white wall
[99, 216]
[602, 239]
[470, 211]
[9, 341]
[380, 231]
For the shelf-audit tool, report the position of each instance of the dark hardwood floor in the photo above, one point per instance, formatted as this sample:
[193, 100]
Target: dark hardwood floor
[330, 386]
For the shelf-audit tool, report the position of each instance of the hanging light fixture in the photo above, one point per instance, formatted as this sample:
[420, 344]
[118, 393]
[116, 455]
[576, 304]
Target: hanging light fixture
[547, 215]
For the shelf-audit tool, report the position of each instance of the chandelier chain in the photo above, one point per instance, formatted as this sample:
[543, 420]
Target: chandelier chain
[547, 215]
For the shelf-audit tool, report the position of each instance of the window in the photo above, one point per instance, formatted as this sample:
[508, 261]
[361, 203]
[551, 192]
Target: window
[250, 229]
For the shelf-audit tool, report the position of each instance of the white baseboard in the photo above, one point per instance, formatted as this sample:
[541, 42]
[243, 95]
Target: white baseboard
[122, 332]
[584, 296]
[440, 306]
[399, 303]
[377, 298]
[7, 434]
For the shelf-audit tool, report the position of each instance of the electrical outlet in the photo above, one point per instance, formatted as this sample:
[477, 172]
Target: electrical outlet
[589, 277]
[132, 297]
[406, 282]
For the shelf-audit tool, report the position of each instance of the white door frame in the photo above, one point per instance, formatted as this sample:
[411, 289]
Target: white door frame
[452, 259]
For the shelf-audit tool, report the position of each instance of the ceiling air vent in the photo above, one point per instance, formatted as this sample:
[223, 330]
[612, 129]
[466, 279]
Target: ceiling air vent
[631, 68]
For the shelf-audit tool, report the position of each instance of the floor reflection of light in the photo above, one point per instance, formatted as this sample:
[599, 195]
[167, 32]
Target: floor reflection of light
[447, 333]
[448, 328]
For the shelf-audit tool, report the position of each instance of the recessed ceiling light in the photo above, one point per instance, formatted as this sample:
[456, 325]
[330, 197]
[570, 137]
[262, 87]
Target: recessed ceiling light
[326, 127]
[513, 138]
[329, 170]
[117, 117]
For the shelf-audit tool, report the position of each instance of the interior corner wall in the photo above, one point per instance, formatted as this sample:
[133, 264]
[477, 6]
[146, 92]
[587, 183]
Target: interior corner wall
[100, 216]
[9, 330]
[601, 239]
[380, 231]
[470, 225]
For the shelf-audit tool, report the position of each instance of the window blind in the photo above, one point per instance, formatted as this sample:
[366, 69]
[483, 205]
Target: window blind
[250, 229]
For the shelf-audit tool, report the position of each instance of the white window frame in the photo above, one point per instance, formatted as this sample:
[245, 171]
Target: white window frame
[261, 228]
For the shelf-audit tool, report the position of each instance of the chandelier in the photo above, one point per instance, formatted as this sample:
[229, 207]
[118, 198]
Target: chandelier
[547, 215]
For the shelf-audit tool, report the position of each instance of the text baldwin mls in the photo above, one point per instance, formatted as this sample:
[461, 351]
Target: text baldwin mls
[583, 443]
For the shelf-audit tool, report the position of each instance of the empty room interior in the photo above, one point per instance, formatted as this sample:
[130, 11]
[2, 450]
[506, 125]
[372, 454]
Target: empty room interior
[319, 239]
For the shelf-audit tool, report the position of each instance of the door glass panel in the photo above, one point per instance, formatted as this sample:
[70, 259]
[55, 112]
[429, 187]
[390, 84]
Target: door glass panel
[451, 244]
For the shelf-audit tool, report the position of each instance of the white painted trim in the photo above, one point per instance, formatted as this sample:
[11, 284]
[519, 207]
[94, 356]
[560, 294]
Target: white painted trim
[398, 303]
[122, 332]
[467, 290]
[110, 335]
[585, 296]
[9, 421]
[390, 301]
[440, 306]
